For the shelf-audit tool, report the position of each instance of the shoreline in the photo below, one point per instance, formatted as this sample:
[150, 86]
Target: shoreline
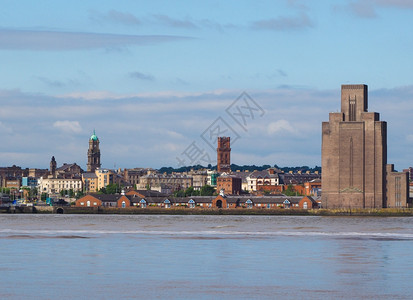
[383, 212]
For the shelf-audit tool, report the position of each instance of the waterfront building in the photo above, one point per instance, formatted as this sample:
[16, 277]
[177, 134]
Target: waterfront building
[90, 182]
[212, 177]
[69, 170]
[224, 155]
[354, 157]
[230, 184]
[259, 180]
[163, 182]
[298, 177]
[93, 154]
[103, 200]
[12, 173]
[132, 176]
[54, 186]
[146, 199]
[104, 178]
[30, 182]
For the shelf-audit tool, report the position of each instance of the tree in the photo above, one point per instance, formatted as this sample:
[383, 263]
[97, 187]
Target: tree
[79, 194]
[291, 191]
[112, 188]
[207, 190]
[191, 192]
[179, 193]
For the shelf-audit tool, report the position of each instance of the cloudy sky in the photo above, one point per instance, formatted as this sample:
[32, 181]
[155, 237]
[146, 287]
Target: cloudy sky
[158, 80]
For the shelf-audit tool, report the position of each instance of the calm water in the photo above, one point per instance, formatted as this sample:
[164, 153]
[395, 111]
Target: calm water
[205, 257]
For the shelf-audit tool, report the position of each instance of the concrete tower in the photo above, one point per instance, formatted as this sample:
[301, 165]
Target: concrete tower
[224, 155]
[93, 154]
[355, 173]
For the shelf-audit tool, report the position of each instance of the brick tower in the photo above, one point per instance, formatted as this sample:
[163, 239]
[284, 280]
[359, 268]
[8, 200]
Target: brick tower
[93, 154]
[355, 173]
[224, 155]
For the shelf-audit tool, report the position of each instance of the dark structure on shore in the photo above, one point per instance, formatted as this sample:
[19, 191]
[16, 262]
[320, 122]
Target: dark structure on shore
[354, 158]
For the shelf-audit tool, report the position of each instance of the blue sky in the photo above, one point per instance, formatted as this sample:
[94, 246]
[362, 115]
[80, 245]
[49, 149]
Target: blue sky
[152, 76]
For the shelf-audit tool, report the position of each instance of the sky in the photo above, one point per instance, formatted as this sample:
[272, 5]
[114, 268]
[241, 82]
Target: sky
[159, 80]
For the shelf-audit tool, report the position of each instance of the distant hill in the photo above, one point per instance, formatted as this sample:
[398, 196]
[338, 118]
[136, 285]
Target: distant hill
[235, 167]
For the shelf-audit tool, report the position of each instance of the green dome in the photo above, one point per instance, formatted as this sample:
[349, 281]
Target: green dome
[94, 136]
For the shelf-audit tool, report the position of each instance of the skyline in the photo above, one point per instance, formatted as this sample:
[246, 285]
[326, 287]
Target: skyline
[150, 78]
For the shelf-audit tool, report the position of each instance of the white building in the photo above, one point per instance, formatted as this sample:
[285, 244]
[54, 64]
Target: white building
[56, 185]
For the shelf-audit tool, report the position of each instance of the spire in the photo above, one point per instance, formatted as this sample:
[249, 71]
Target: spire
[94, 136]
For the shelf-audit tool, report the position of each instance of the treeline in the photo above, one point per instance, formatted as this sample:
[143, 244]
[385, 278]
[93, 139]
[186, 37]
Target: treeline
[243, 168]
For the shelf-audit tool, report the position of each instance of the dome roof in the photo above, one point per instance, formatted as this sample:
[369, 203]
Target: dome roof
[94, 136]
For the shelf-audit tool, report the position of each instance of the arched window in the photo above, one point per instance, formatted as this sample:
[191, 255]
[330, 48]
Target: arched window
[305, 205]
[191, 203]
[123, 204]
[249, 203]
[143, 203]
[167, 203]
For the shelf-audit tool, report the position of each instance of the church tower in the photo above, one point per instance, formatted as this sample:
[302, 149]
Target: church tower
[93, 154]
[224, 155]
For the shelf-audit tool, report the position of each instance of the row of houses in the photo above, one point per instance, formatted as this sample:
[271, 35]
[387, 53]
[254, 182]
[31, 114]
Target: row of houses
[146, 199]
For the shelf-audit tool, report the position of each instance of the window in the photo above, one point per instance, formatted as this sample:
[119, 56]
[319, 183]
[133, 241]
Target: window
[305, 205]
[191, 203]
[167, 203]
[249, 203]
[123, 204]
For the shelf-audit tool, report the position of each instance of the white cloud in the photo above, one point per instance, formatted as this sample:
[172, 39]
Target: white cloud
[68, 126]
[280, 127]
[153, 129]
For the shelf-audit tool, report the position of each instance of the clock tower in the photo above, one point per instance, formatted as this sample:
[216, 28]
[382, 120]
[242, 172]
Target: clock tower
[93, 154]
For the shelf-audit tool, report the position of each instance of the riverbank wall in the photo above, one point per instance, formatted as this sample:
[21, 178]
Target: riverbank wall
[384, 212]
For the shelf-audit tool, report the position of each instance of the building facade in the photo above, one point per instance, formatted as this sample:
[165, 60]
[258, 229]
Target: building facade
[93, 154]
[224, 155]
[230, 184]
[53, 186]
[354, 157]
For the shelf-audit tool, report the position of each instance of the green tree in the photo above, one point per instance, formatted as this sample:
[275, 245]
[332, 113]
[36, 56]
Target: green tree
[290, 191]
[112, 188]
[179, 193]
[207, 190]
[79, 194]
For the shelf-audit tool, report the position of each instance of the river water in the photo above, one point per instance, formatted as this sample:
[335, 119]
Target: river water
[204, 257]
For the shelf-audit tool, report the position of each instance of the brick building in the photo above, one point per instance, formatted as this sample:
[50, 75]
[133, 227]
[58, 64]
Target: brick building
[354, 157]
[230, 184]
